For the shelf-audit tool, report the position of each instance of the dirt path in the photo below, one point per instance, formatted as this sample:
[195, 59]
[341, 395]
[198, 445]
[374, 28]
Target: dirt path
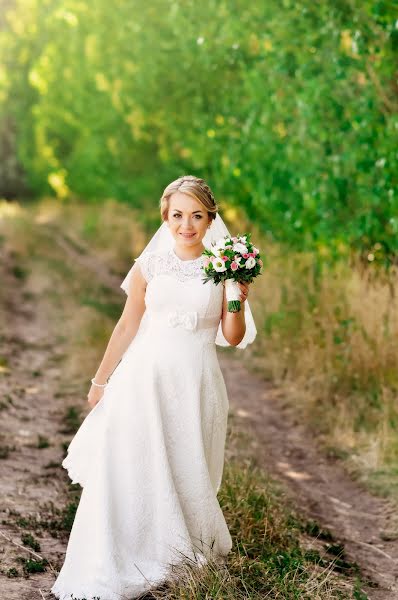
[318, 486]
[29, 472]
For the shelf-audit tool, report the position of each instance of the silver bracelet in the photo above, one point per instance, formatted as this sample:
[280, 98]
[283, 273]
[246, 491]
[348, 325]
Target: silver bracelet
[101, 385]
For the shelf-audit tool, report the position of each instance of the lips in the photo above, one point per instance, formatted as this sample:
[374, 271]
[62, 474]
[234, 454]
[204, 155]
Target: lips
[187, 235]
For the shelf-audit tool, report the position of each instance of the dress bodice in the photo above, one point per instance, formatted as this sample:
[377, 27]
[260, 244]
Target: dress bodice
[176, 297]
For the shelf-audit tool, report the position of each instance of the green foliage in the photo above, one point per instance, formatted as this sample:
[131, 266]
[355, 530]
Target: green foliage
[289, 108]
[33, 566]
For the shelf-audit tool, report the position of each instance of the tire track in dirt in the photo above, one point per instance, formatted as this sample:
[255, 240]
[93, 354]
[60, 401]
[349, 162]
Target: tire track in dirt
[36, 497]
[31, 444]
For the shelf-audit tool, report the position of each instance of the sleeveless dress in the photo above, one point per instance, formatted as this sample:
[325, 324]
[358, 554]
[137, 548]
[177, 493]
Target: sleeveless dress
[150, 454]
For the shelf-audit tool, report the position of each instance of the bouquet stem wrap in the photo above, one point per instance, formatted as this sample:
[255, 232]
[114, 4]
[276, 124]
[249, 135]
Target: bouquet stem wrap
[233, 292]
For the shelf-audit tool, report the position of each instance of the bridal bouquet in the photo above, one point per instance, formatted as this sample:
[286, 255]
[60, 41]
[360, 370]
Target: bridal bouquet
[232, 259]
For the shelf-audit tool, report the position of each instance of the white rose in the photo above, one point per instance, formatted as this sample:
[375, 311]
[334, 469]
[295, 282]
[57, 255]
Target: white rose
[219, 265]
[251, 261]
[243, 239]
[238, 247]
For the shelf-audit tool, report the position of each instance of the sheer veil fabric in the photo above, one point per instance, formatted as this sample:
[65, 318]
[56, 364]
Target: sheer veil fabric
[162, 241]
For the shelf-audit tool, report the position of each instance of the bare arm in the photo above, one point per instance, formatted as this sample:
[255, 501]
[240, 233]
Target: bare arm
[126, 328]
[233, 325]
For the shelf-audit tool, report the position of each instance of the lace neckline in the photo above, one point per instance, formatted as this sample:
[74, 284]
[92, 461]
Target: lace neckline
[189, 261]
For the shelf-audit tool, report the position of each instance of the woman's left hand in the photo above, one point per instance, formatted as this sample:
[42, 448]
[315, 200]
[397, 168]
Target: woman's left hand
[244, 288]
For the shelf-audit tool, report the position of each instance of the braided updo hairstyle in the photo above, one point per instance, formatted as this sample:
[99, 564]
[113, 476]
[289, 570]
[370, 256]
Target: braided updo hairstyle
[192, 186]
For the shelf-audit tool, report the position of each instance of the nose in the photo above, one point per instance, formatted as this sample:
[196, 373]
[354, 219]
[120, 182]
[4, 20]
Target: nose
[187, 222]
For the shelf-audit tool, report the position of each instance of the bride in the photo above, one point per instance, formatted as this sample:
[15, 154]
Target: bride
[149, 455]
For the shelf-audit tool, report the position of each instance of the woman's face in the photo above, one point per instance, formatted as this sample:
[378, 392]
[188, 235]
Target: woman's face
[187, 218]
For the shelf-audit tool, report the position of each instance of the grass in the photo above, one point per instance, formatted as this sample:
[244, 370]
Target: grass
[50, 518]
[42, 441]
[5, 450]
[71, 419]
[268, 559]
[28, 540]
[30, 565]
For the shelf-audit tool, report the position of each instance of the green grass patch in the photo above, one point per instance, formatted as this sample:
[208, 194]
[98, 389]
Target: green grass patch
[30, 565]
[267, 560]
[43, 441]
[71, 419]
[19, 272]
[28, 540]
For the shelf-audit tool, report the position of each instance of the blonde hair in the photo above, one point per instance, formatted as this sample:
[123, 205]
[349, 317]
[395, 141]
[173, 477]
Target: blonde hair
[192, 186]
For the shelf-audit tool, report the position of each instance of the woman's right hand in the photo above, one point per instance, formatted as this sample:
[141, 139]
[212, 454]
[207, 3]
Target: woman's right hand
[94, 395]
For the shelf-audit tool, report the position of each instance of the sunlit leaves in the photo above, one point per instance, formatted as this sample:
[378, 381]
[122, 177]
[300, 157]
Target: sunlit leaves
[288, 108]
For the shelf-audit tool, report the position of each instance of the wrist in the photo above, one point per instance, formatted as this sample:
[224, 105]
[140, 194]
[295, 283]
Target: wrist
[99, 383]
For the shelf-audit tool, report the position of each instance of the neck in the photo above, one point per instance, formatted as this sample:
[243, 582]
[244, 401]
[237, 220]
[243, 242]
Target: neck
[189, 253]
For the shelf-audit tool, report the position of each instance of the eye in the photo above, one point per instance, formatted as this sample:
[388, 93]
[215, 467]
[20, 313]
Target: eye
[177, 215]
[199, 216]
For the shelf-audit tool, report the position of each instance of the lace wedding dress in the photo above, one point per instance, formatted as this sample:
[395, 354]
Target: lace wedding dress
[150, 454]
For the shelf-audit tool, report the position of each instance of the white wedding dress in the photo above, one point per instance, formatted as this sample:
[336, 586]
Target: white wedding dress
[150, 454]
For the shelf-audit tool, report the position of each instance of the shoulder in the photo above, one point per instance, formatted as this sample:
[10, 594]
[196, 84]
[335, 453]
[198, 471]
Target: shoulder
[149, 263]
[149, 257]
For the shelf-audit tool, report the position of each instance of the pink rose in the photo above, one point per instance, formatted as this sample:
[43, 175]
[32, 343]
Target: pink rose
[234, 266]
[206, 261]
[245, 255]
[224, 258]
[252, 254]
[234, 239]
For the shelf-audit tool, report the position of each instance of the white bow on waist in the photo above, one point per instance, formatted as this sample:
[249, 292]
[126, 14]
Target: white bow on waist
[185, 319]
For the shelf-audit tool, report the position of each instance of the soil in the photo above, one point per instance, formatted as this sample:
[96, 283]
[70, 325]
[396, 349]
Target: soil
[33, 402]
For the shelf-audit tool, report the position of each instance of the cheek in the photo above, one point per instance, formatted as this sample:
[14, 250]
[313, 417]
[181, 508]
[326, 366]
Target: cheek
[201, 225]
[174, 223]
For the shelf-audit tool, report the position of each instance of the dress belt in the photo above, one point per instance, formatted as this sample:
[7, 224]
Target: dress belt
[186, 319]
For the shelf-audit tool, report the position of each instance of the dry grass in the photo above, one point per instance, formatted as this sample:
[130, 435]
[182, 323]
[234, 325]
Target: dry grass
[329, 338]
[273, 555]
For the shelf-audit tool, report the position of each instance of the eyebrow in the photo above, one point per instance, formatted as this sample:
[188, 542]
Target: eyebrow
[195, 211]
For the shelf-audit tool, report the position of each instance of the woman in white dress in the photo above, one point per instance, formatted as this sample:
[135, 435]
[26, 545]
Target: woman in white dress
[150, 453]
